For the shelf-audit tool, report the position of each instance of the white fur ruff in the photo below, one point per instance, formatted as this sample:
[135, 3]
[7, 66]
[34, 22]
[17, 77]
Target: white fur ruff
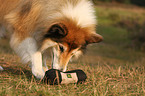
[82, 13]
[25, 49]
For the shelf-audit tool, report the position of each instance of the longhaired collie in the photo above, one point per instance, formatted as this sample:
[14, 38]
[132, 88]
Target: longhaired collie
[66, 26]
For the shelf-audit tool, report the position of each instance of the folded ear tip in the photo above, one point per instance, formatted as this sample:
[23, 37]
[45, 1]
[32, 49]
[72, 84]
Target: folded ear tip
[100, 38]
[94, 38]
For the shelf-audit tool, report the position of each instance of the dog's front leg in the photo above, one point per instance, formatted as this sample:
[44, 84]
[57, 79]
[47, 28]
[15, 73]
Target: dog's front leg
[37, 68]
[27, 49]
[55, 63]
[45, 67]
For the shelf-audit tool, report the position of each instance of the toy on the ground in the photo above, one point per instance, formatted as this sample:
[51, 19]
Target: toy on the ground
[55, 77]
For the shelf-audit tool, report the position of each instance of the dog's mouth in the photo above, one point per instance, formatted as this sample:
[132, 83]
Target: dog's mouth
[57, 57]
[61, 56]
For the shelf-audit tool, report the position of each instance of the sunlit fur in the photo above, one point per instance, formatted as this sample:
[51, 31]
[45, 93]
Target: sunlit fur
[31, 23]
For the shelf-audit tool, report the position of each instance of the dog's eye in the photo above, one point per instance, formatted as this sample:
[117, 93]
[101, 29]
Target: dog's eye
[61, 48]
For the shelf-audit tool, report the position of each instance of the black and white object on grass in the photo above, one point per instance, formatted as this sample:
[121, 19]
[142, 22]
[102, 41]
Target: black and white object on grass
[55, 77]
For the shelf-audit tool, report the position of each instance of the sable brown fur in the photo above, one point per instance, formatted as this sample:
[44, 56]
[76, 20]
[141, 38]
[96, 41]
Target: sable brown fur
[36, 25]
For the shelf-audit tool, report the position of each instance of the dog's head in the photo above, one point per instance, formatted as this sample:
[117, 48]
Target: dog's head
[72, 31]
[70, 40]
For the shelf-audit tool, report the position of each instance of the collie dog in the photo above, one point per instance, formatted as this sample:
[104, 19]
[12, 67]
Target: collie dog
[66, 26]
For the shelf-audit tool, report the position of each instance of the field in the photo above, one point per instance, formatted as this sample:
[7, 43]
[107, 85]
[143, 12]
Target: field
[113, 68]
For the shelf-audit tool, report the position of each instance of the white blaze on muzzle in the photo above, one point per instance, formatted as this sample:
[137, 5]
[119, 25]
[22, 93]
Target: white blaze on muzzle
[55, 59]
[61, 58]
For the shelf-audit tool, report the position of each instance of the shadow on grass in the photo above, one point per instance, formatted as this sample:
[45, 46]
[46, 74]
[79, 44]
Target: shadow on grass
[16, 72]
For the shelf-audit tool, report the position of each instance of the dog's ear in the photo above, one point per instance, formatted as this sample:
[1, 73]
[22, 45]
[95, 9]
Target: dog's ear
[94, 38]
[57, 31]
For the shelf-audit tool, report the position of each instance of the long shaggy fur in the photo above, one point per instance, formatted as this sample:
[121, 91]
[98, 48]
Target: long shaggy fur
[36, 25]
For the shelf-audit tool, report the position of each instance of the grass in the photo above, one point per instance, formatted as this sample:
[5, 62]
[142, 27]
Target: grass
[112, 68]
[112, 14]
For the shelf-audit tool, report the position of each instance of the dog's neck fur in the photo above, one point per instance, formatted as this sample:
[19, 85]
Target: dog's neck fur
[82, 13]
[31, 20]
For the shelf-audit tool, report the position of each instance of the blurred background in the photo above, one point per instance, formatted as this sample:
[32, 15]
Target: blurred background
[125, 14]
[122, 24]
[135, 2]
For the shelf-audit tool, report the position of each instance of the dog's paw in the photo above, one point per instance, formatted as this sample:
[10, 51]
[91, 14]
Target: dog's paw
[38, 73]
[45, 69]
[56, 66]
